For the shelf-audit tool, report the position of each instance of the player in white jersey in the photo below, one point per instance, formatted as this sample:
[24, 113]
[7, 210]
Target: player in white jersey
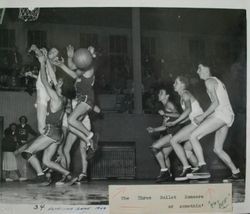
[191, 108]
[218, 118]
[42, 95]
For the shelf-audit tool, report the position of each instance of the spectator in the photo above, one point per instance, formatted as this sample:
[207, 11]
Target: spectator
[24, 130]
[9, 146]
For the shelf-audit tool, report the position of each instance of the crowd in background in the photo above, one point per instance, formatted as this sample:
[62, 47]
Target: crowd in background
[16, 138]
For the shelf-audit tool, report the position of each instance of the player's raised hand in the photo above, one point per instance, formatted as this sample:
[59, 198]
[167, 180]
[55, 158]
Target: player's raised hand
[58, 62]
[44, 52]
[70, 51]
[161, 112]
[92, 51]
[150, 130]
[42, 58]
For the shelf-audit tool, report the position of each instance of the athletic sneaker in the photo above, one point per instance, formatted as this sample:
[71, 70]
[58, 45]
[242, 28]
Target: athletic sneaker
[71, 181]
[164, 176]
[67, 180]
[82, 178]
[22, 179]
[195, 169]
[183, 175]
[39, 179]
[233, 177]
[201, 173]
[61, 181]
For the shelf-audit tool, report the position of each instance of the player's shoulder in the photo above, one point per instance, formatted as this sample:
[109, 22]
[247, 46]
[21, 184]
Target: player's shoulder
[186, 95]
[211, 82]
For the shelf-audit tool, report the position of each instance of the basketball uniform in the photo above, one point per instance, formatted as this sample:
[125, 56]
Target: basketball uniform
[196, 110]
[85, 121]
[84, 90]
[42, 96]
[53, 128]
[224, 110]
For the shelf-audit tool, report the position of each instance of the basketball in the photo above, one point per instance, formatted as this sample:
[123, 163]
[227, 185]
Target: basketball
[82, 58]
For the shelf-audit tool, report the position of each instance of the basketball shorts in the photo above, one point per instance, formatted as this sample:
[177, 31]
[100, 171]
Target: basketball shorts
[175, 129]
[86, 122]
[226, 115]
[54, 133]
[86, 99]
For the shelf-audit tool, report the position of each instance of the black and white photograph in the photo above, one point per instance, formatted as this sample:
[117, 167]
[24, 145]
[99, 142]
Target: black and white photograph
[91, 97]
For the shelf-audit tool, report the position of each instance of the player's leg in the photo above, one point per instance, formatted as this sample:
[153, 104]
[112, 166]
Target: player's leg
[47, 159]
[60, 151]
[41, 116]
[70, 140]
[39, 144]
[220, 137]
[83, 150]
[78, 128]
[210, 125]
[190, 155]
[182, 136]
[157, 150]
[166, 151]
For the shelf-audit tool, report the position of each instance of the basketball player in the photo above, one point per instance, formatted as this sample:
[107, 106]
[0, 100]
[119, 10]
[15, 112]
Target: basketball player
[162, 147]
[85, 78]
[191, 108]
[42, 96]
[52, 135]
[71, 137]
[218, 118]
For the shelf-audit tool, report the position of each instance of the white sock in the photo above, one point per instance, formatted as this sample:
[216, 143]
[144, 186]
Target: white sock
[202, 163]
[186, 167]
[164, 169]
[236, 171]
[40, 174]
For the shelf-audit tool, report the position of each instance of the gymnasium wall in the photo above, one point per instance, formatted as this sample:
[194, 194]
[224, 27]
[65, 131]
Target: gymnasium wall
[173, 47]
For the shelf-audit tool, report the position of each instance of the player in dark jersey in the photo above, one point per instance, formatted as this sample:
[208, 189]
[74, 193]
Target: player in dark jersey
[52, 135]
[84, 81]
[162, 147]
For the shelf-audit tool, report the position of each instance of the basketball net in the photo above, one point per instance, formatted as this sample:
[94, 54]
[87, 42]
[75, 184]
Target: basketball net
[29, 14]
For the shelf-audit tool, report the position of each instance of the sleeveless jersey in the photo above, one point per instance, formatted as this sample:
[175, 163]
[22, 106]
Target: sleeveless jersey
[84, 87]
[196, 109]
[55, 118]
[221, 92]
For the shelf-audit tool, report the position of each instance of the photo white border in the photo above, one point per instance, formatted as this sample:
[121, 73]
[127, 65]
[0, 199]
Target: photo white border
[222, 4]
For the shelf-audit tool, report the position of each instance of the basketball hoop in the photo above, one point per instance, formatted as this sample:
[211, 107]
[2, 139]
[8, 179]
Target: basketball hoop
[29, 14]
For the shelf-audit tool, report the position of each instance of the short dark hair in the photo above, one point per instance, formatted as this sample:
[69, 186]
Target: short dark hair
[184, 80]
[206, 62]
[23, 117]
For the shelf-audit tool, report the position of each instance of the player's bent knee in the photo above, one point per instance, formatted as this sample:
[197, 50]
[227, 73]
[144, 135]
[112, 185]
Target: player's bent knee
[217, 151]
[173, 141]
[155, 150]
[26, 155]
[47, 162]
[193, 136]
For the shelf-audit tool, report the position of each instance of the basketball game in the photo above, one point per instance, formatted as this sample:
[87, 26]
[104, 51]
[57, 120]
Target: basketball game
[93, 97]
